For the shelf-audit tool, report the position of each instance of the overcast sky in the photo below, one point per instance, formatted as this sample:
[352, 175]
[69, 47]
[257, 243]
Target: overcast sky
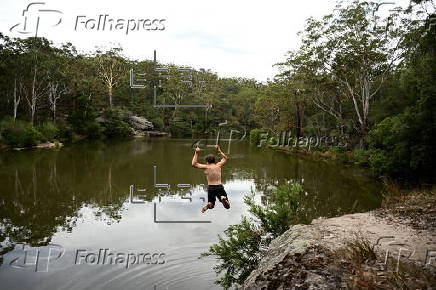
[232, 38]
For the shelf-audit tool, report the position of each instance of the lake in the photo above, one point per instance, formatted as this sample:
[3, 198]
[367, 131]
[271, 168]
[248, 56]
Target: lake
[126, 214]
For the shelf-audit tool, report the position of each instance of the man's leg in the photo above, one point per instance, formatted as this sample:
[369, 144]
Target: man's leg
[225, 202]
[210, 201]
[209, 205]
[223, 199]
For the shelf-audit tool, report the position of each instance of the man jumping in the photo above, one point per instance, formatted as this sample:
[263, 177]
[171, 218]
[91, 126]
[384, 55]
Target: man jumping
[213, 175]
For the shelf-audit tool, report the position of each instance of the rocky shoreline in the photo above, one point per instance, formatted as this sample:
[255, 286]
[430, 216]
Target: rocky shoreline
[349, 252]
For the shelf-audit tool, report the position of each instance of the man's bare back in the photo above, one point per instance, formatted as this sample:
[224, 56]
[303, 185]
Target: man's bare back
[212, 170]
[213, 174]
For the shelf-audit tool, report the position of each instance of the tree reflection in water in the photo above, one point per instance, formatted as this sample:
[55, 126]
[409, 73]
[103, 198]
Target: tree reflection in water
[44, 192]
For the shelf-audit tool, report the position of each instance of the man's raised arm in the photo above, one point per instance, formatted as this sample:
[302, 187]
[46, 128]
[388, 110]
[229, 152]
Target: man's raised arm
[195, 160]
[224, 157]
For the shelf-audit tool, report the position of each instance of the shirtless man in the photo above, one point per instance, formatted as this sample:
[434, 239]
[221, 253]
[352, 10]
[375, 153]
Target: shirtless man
[213, 175]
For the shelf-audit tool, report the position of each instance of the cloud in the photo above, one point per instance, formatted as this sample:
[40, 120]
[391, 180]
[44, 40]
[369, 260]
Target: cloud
[233, 38]
[209, 41]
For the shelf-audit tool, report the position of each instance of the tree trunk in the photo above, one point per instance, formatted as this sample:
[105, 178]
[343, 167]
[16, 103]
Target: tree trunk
[298, 131]
[110, 95]
[54, 112]
[33, 98]
[17, 99]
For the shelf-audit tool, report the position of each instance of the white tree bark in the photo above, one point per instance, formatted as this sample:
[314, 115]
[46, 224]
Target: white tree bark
[17, 98]
[54, 94]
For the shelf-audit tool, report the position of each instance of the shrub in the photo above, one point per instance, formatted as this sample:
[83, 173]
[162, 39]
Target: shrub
[403, 145]
[93, 130]
[20, 133]
[390, 148]
[255, 136]
[115, 126]
[276, 218]
[65, 132]
[381, 163]
[360, 157]
[340, 154]
[337, 150]
[49, 131]
[32, 136]
[14, 136]
[158, 123]
[117, 129]
[180, 129]
[82, 113]
[240, 252]
[319, 148]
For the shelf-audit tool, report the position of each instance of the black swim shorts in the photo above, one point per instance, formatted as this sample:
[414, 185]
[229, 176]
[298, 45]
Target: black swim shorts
[214, 191]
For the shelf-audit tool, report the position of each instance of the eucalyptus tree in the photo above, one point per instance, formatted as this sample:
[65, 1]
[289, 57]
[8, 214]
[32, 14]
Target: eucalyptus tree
[111, 68]
[346, 57]
[11, 73]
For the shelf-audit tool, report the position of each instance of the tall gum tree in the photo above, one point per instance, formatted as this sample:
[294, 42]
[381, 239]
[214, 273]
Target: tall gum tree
[111, 67]
[347, 56]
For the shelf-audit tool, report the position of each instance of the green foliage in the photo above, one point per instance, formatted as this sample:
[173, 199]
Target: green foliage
[273, 140]
[83, 112]
[339, 154]
[380, 162]
[403, 145]
[81, 86]
[279, 214]
[256, 135]
[49, 130]
[392, 142]
[93, 130]
[115, 126]
[360, 157]
[239, 253]
[20, 134]
[65, 133]
[158, 123]
[117, 129]
[319, 148]
[341, 80]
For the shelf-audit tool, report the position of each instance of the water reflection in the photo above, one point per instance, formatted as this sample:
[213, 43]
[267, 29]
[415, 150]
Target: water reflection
[69, 195]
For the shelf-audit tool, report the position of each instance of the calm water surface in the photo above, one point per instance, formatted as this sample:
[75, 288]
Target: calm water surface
[77, 200]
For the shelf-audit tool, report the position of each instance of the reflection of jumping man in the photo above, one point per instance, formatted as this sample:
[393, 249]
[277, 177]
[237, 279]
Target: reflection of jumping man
[213, 175]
